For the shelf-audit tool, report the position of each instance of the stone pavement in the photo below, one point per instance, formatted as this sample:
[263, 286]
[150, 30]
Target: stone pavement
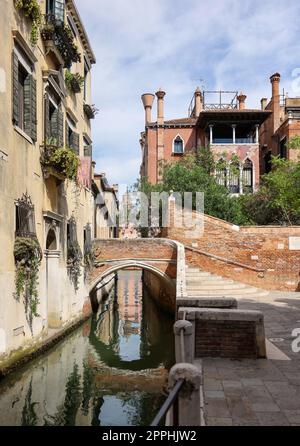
[258, 392]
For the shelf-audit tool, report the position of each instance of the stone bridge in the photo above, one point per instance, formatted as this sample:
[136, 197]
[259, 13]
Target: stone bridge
[162, 261]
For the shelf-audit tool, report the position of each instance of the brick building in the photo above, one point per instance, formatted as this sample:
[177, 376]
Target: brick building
[239, 137]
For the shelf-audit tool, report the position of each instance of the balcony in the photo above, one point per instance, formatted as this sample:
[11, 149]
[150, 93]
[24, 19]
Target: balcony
[59, 162]
[56, 32]
[233, 134]
[90, 110]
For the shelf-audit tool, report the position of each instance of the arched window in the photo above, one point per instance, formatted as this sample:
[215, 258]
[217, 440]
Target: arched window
[178, 145]
[234, 177]
[221, 172]
[248, 176]
[51, 240]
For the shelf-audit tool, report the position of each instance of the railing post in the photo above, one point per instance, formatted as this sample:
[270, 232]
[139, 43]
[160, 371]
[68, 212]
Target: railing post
[189, 401]
[184, 341]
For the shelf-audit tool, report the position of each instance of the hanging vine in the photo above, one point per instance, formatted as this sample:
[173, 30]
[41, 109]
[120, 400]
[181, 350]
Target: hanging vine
[74, 254]
[28, 257]
[31, 10]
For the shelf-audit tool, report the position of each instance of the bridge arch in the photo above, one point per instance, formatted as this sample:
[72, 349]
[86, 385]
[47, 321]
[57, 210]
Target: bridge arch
[121, 265]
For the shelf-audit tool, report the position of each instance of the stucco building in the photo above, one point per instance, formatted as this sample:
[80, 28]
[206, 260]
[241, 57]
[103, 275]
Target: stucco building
[238, 136]
[106, 207]
[45, 105]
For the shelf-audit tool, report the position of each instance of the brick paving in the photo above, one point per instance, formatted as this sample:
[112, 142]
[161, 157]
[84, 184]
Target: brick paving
[262, 392]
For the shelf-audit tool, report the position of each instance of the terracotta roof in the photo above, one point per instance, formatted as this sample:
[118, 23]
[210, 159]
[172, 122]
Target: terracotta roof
[179, 121]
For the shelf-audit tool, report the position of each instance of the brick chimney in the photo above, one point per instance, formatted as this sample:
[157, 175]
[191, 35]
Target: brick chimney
[198, 102]
[241, 101]
[160, 106]
[275, 103]
[148, 99]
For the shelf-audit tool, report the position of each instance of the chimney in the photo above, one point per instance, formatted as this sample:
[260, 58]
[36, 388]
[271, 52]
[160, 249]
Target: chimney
[241, 100]
[198, 102]
[275, 81]
[160, 106]
[264, 102]
[148, 99]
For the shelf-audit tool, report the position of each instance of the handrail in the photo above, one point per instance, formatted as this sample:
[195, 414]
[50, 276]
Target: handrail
[225, 260]
[172, 398]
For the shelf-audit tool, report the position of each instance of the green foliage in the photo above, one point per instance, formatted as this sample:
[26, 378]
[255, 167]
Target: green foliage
[74, 82]
[62, 36]
[74, 258]
[31, 10]
[64, 160]
[28, 256]
[205, 159]
[294, 143]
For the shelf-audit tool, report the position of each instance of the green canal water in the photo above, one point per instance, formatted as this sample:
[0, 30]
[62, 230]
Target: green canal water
[109, 372]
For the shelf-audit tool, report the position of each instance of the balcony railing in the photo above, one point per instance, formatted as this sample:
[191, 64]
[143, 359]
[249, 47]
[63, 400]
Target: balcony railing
[56, 30]
[230, 141]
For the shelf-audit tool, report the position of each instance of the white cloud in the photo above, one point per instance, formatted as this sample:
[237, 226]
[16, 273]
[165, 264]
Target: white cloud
[143, 45]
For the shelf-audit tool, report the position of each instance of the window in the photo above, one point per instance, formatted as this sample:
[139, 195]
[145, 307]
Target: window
[221, 172]
[234, 177]
[56, 8]
[85, 85]
[178, 145]
[72, 138]
[24, 93]
[53, 120]
[25, 221]
[248, 176]
[282, 148]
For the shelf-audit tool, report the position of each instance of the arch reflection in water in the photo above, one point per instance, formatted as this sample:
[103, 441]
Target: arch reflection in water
[111, 371]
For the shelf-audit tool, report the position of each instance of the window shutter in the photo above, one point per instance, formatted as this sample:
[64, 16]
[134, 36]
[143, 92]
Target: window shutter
[67, 135]
[88, 151]
[54, 126]
[47, 126]
[75, 144]
[15, 89]
[60, 125]
[30, 107]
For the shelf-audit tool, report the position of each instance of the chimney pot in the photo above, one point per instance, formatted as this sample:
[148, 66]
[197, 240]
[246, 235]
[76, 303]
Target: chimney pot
[264, 102]
[241, 100]
[160, 106]
[198, 102]
[147, 100]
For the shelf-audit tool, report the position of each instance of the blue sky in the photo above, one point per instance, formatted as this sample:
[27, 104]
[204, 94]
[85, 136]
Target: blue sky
[144, 45]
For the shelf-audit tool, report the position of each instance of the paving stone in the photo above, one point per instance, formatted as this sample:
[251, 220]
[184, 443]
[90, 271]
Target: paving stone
[272, 419]
[293, 416]
[216, 408]
[212, 384]
[212, 421]
[252, 382]
[216, 394]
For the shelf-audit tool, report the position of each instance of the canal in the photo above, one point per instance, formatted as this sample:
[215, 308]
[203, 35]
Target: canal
[111, 371]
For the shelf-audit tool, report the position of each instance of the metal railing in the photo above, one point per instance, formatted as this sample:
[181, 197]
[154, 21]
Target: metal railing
[171, 402]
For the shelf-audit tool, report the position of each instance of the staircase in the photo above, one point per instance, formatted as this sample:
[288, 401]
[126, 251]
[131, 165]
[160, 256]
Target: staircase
[203, 284]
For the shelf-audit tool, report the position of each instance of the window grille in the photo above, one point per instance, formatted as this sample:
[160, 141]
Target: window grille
[25, 219]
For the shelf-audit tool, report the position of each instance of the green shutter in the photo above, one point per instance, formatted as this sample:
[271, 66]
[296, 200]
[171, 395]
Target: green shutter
[47, 126]
[54, 126]
[88, 151]
[60, 125]
[75, 142]
[30, 107]
[15, 89]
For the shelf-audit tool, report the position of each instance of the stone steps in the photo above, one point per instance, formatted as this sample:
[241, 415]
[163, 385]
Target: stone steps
[201, 283]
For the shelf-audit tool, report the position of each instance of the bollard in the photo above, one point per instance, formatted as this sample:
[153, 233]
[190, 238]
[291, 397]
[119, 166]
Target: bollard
[189, 401]
[184, 348]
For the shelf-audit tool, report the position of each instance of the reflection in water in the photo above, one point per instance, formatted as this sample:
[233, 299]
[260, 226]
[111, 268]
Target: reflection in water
[109, 372]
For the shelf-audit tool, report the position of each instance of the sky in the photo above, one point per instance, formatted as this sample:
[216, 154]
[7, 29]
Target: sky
[144, 45]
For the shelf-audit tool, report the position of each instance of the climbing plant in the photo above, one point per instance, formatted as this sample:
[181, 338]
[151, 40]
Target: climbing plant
[74, 254]
[28, 257]
[31, 10]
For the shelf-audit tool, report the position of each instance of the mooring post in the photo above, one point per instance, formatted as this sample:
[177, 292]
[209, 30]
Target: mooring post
[189, 401]
[184, 341]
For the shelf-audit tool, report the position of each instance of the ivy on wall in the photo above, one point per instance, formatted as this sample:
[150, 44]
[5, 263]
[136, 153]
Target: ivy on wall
[32, 10]
[28, 257]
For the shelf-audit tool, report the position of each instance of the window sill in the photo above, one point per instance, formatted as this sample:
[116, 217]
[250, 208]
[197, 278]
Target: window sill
[177, 154]
[22, 133]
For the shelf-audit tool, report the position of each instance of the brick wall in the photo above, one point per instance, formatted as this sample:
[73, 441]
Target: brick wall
[263, 256]
[225, 339]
